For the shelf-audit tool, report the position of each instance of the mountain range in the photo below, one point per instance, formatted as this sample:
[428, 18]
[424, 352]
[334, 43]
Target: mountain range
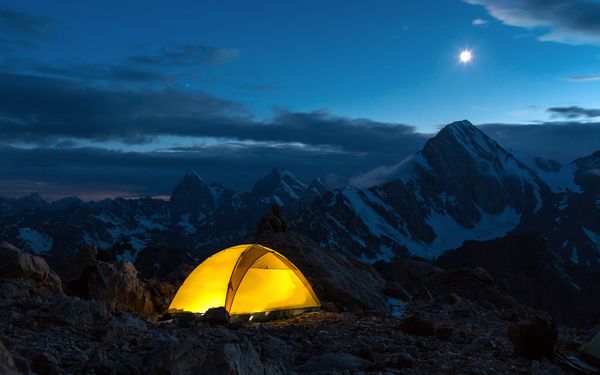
[462, 185]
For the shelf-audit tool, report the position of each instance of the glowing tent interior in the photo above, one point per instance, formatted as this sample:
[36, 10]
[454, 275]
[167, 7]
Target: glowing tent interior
[245, 279]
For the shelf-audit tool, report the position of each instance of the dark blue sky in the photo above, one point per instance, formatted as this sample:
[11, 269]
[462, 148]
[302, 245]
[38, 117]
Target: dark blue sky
[217, 85]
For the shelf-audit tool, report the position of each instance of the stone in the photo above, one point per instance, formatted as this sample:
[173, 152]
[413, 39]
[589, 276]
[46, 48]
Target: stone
[7, 364]
[17, 264]
[275, 349]
[545, 367]
[404, 360]
[444, 333]
[333, 362]
[274, 221]
[177, 357]
[124, 290]
[216, 316]
[395, 290]
[535, 339]
[235, 358]
[417, 326]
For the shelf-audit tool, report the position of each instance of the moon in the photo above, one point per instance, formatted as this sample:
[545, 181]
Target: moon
[466, 56]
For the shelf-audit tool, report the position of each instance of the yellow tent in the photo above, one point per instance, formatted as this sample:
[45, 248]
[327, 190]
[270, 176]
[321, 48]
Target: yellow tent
[245, 279]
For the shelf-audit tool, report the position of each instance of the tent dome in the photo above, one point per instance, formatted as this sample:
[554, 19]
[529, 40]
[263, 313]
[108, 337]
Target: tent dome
[245, 279]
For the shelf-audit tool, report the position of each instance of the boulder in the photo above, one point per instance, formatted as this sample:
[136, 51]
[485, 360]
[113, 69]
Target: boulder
[17, 264]
[118, 285]
[237, 358]
[274, 221]
[335, 277]
[63, 309]
[216, 316]
[535, 339]
[417, 326]
[177, 357]
[7, 364]
[75, 270]
[404, 360]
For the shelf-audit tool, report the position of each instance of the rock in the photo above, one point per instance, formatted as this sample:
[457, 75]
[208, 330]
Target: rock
[159, 262]
[333, 362]
[274, 221]
[335, 277]
[124, 291]
[404, 360]
[395, 290]
[17, 264]
[7, 364]
[475, 284]
[175, 357]
[44, 362]
[444, 333]
[162, 294]
[417, 326]
[405, 273]
[275, 349]
[216, 316]
[75, 270]
[83, 314]
[235, 358]
[545, 368]
[329, 306]
[535, 339]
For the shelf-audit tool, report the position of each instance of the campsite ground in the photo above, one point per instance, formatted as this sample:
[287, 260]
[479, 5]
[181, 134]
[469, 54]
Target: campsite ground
[454, 322]
[52, 333]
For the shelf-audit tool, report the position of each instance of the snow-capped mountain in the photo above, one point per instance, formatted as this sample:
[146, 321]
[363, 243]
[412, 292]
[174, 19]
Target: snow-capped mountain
[461, 186]
[199, 217]
[571, 222]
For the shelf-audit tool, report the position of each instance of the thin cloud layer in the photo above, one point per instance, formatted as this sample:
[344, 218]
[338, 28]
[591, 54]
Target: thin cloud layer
[564, 21]
[574, 112]
[587, 78]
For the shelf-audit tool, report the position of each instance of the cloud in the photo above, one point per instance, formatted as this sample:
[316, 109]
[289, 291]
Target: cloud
[39, 110]
[190, 54]
[378, 175]
[587, 78]
[25, 24]
[564, 21]
[23, 30]
[574, 112]
[164, 67]
[57, 118]
[479, 22]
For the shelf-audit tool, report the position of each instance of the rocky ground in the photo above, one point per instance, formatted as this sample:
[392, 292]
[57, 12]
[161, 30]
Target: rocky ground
[106, 321]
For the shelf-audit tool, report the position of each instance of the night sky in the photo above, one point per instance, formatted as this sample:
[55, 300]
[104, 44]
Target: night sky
[115, 98]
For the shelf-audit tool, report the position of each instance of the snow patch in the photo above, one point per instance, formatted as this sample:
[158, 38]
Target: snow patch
[450, 234]
[594, 237]
[184, 222]
[397, 307]
[37, 242]
[574, 256]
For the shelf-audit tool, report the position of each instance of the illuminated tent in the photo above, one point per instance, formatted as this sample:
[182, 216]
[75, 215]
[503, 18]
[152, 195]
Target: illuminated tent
[245, 279]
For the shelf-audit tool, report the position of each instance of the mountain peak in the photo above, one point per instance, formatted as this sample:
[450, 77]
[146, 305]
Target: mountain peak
[192, 194]
[280, 183]
[192, 175]
[459, 129]
[462, 135]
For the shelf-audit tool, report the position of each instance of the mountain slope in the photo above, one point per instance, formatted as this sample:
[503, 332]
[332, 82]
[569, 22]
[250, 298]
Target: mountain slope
[462, 185]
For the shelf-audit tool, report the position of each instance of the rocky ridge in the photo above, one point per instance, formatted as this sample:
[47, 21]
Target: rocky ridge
[453, 322]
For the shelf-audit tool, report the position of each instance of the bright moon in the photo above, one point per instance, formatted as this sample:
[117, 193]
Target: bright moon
[466, 56]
